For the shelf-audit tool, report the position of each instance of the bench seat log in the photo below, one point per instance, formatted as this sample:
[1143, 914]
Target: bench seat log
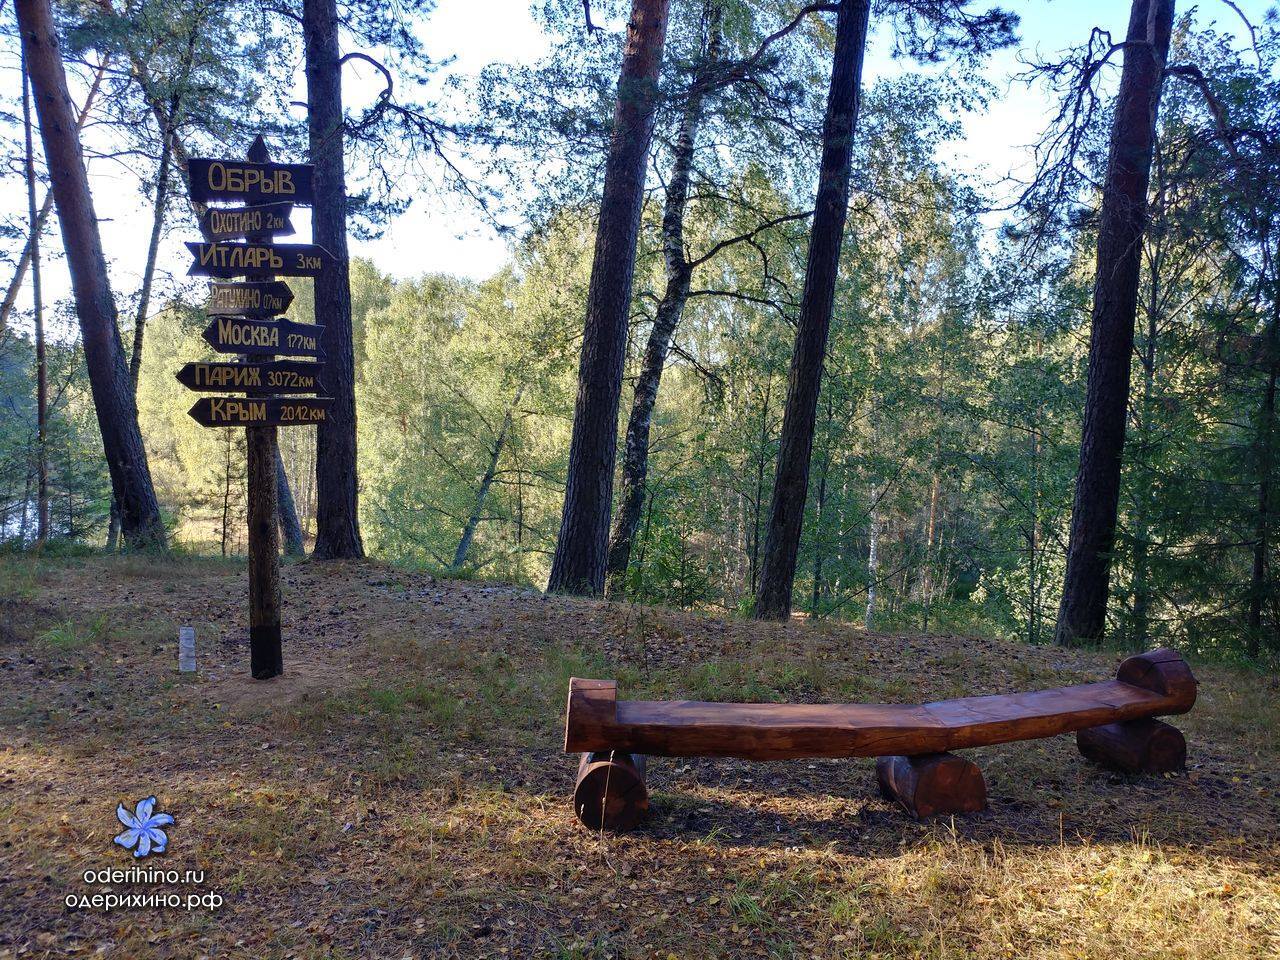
[1152, 684]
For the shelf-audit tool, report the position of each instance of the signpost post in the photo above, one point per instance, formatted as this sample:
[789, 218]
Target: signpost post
[244, 323]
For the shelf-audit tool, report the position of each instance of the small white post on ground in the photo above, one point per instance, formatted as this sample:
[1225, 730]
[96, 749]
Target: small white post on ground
[187, 649]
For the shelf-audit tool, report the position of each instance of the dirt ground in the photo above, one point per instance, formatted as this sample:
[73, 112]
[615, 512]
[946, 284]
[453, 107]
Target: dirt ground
[401, 790]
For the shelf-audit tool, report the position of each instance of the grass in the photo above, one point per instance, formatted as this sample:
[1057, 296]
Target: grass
[401, 790]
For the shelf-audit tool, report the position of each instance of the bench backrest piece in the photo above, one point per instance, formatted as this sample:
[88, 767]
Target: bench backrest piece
[1151, 684]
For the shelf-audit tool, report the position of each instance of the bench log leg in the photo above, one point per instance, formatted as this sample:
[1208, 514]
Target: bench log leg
[932, 783]
[1135, 746]
[610, 793]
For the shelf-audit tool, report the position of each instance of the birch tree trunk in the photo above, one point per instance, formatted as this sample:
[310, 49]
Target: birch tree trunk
[679, 272]
[1083, 611]
[113, 396]
[582, 545]
[37, 310]
[486, 481]
[791, 484]
[46, 206]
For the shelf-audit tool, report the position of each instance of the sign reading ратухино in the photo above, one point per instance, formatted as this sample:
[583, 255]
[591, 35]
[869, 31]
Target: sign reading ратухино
[261, 298]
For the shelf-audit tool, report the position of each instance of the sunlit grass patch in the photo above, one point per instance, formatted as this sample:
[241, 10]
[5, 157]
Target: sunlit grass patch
[70, 635]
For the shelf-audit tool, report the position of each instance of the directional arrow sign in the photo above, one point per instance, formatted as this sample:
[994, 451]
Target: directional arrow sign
[235, 223]
[239, 335]
[278, 376]
[259, 411]
[242, 259]
[260, 299]
[248, 181]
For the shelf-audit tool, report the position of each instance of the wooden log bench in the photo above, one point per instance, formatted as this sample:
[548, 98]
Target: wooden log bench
[1113, 722]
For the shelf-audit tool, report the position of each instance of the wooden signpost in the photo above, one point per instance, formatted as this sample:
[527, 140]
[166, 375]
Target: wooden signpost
[248, 336]
[275, 376]
[245, 323]
[223, 259]
[236, 223]
[248, 299]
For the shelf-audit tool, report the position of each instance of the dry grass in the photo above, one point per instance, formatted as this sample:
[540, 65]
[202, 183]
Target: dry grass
[400, 792]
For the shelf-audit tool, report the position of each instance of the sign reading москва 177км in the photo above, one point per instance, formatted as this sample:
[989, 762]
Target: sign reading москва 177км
[241, 335]
[242, 259]
[245, 180]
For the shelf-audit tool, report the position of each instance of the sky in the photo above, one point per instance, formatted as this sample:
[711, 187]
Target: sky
[437, 234]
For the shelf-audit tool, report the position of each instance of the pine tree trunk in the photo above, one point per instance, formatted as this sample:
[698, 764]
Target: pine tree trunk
[337, 508]
[582, 544]
[635, 457]
[791, 483]
[1083, 611]
[113, 395]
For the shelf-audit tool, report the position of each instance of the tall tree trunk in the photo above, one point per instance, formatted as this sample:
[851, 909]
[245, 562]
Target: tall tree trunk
[791, 483]
[679, 272]
[1082, 613]
[1142, 498]
[1260, 583]
[46, 205]
[290, 527]
[37, 304]
[759, 498]
[486, 481]
[817, 536]
[582, 544]
[873, 533]
[337, 507]
[153, 248]
[113, 395]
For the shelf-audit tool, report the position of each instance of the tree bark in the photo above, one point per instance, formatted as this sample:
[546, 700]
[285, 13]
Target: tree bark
[679, 273]
[1083, 610]
[113, 395]
[791, 483]
[582, 544]
[290, 528]
[337, 506]
[1260, 583]
[37, 310]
